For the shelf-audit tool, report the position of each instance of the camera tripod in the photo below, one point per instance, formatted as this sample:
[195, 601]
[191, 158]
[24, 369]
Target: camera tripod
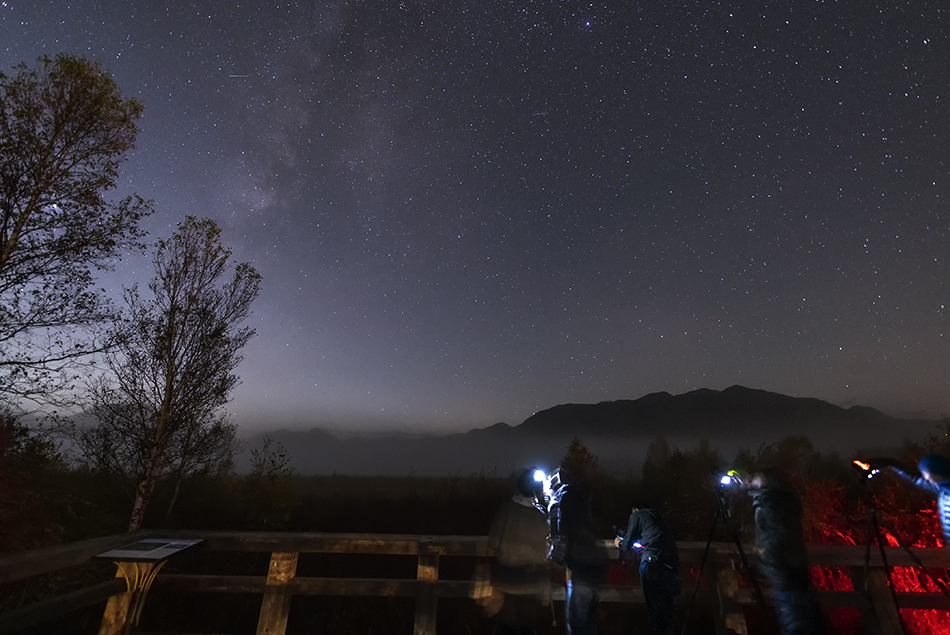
[722, 513]
[874, 535]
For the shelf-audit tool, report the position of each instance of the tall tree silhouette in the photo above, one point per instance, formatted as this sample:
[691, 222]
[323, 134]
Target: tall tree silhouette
[172, 369]
[64, 130]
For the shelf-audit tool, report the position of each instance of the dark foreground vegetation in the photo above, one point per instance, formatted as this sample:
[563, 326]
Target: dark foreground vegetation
[45, 500]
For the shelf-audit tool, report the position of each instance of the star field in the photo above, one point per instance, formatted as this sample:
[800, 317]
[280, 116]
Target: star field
[465, 212]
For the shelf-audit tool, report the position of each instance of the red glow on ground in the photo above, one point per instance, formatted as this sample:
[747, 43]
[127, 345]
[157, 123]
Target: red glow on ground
[905, 579]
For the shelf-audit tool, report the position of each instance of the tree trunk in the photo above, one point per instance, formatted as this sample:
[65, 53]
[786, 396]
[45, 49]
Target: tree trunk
[150, 475]
[146, 486]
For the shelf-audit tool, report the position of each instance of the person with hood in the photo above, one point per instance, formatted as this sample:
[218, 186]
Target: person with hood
[782, 560]
[519, 541]
[934, 478]
[649, 540]
[578, 550]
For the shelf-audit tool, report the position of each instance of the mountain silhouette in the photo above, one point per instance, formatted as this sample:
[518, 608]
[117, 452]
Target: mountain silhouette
[618, 432]
[734, 410]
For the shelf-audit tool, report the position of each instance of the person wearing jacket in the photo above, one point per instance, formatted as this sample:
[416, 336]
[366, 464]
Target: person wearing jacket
[648, 539]
[582, 555]
[519, 541]
[782, 559]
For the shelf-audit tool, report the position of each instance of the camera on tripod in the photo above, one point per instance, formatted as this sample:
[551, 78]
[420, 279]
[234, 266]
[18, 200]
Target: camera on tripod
[728, 484]
[864, 466]
[731, 479]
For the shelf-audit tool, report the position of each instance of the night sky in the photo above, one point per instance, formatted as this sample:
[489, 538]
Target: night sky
[466, 211]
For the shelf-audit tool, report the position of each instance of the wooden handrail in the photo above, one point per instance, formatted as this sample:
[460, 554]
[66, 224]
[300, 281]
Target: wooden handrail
[29, 564]
[59, 606]
[32, 563]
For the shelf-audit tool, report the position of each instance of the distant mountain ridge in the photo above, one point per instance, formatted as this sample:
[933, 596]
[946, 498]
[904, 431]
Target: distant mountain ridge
[736, 408]
[619, 432]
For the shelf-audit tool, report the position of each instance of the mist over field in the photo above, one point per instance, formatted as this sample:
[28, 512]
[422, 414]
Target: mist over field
[618, 432]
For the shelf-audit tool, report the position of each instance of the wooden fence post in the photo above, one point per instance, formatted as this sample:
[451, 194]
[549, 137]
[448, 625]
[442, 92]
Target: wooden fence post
[117, 611]
[276, 605]
[427, 573]
[124, 610]
[730, 610]
[884, 618]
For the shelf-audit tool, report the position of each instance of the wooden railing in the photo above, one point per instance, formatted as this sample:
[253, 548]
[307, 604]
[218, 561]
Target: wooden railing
[871, 595]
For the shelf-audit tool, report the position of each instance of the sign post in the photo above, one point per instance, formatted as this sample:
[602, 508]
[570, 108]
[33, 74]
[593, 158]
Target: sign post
[138, 564]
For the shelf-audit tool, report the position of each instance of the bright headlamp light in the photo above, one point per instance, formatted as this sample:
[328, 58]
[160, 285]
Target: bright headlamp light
[730, 478]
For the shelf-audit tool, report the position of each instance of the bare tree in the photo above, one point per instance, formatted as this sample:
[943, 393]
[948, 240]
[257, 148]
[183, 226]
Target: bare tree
[580, 463]
[200, 449]
[268, 494]
[64, 130]
[171, 371]
[118, 445]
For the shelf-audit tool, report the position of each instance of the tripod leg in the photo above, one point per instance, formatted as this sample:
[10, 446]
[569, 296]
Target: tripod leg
[745, 563]
[887, 568]
[872, 516]
[699, 575]
[939, 582]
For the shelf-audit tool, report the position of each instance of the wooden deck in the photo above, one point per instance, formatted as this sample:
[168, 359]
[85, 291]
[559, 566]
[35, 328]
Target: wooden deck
[720, 588]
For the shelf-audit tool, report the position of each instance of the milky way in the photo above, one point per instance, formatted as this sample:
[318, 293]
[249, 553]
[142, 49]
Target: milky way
[465, 212]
